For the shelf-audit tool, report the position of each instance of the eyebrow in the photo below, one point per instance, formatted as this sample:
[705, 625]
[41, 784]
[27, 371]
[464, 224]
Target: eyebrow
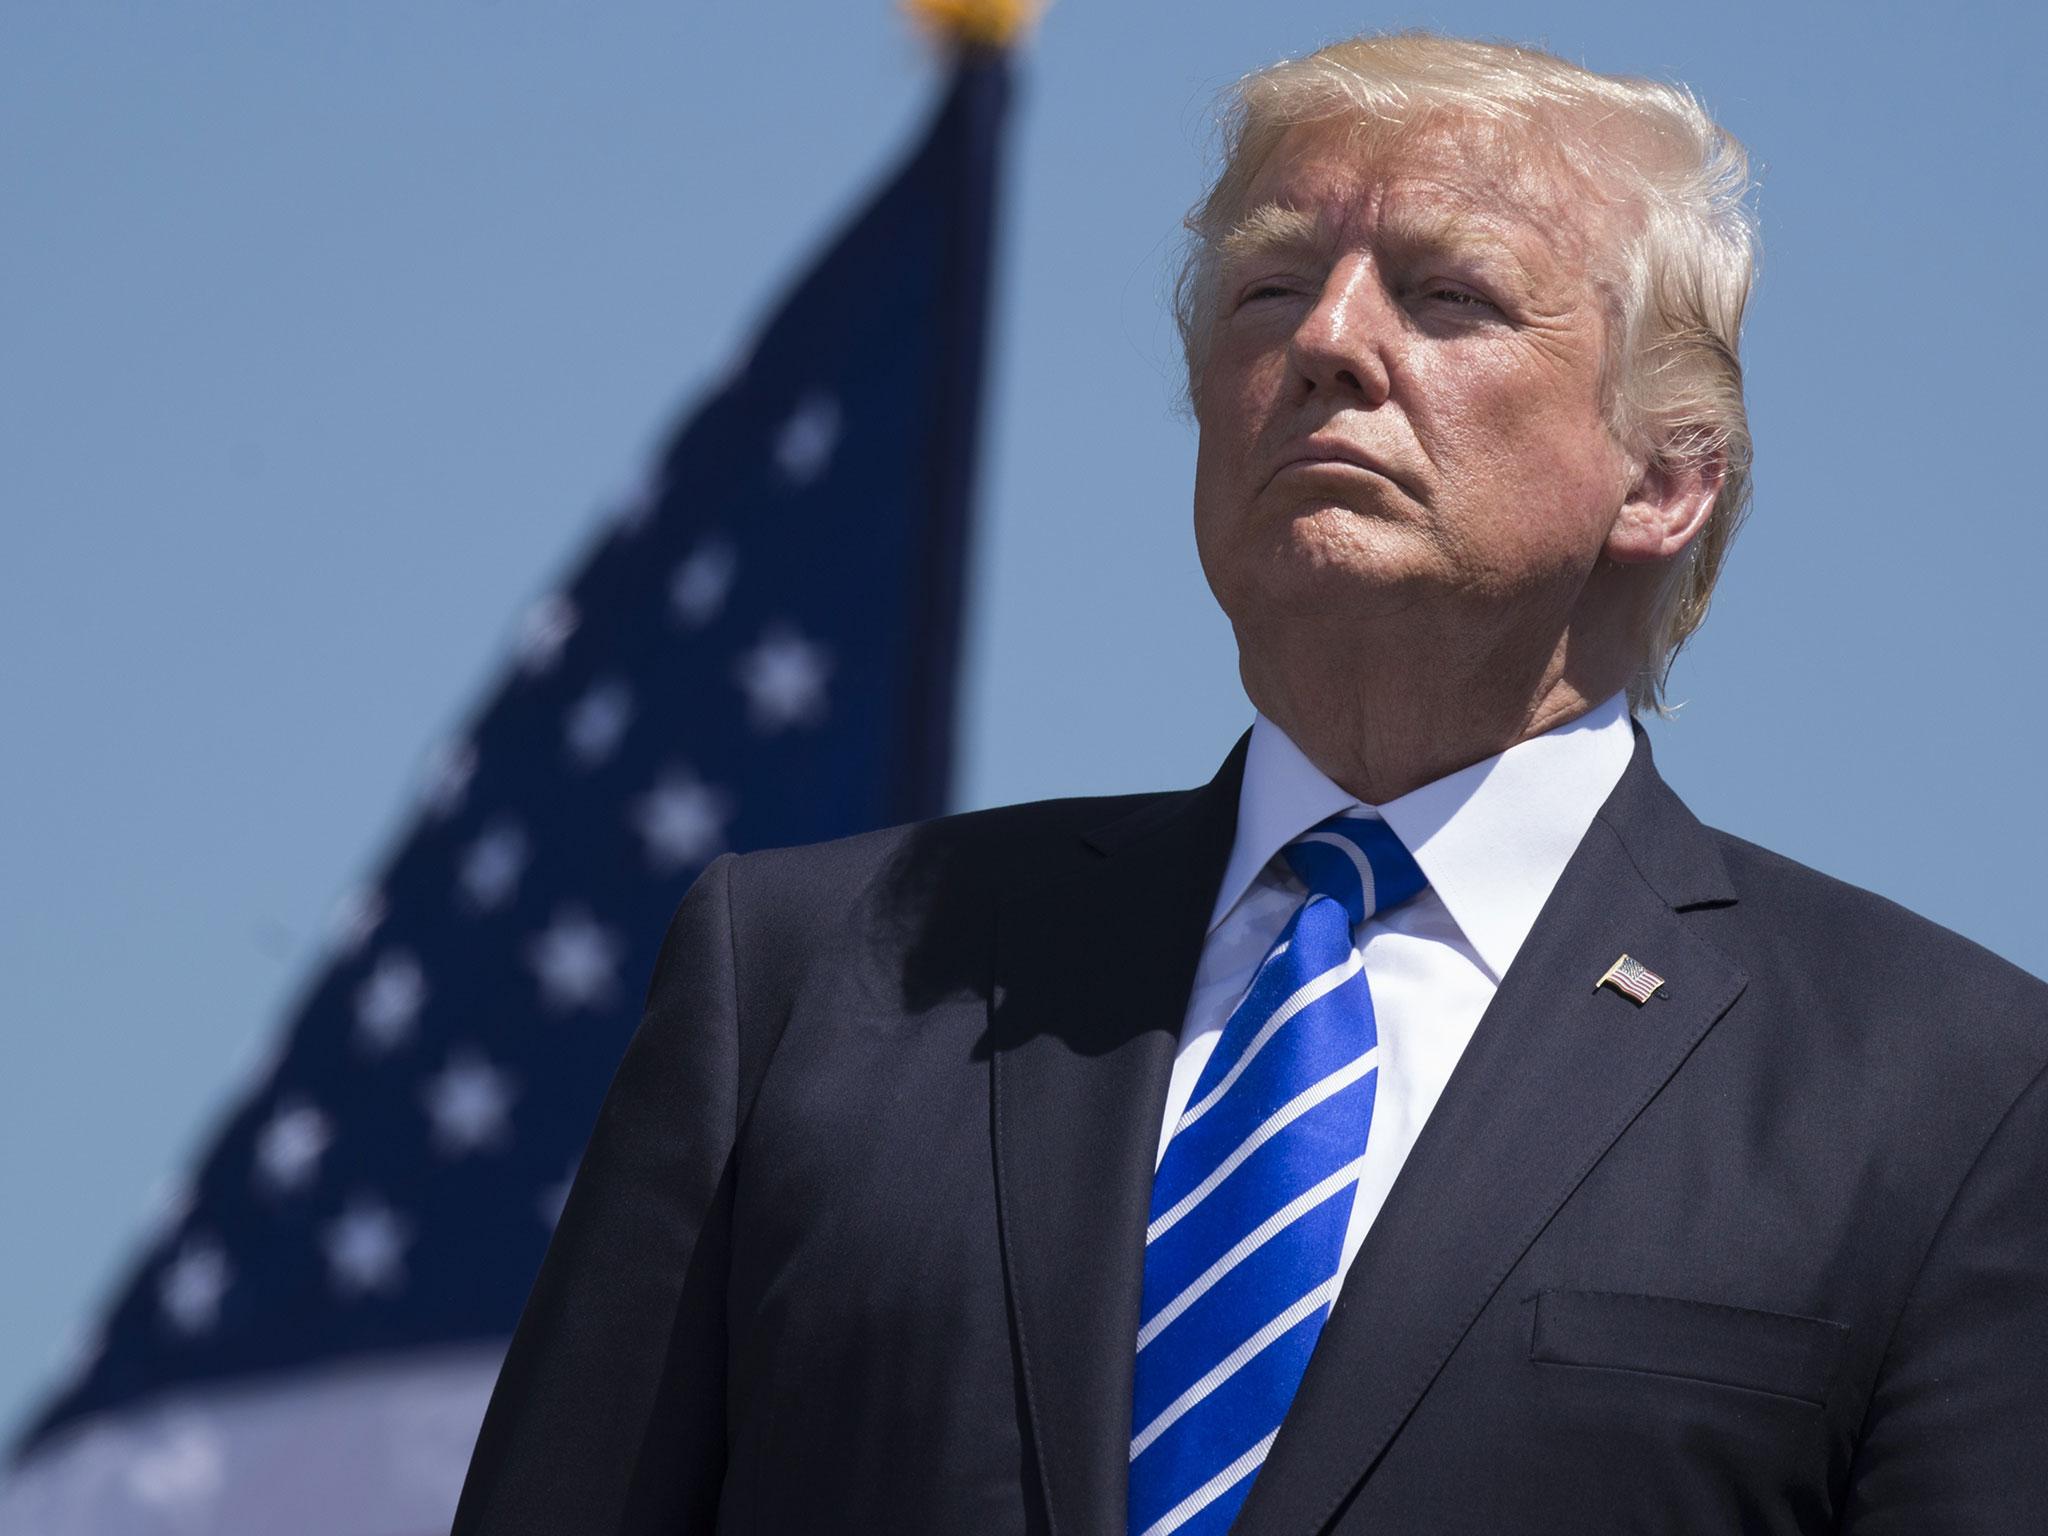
[1270, 229]
[1275, 229]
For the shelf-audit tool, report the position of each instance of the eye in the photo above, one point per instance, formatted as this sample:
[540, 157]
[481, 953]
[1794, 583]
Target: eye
[1264, 291]
[1269, 288]
[1457, 298]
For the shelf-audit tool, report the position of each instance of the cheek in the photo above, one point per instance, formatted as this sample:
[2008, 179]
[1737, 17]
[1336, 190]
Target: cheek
[1238, 393]
[1237, 401]
[1526, 457]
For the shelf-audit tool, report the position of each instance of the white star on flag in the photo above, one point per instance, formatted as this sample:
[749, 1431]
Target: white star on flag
[290, 1146]
[389, 1002]
[450, 767]
[699, 586]
[597, 722]
[191, 1288]
[804, 446]
[470, 1103]
[784, 680]
[365, 1248]
[543, 630]
[574, 957]
[492, 865]
[682, 820]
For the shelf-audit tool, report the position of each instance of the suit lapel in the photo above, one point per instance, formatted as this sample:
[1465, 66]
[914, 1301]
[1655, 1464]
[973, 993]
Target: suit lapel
[1092, 980]
[1554, 1073]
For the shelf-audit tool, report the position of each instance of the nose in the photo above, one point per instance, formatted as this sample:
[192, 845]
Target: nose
[1341, 346]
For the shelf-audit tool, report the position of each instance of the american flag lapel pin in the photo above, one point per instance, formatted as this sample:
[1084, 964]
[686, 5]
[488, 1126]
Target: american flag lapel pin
[1633, 979]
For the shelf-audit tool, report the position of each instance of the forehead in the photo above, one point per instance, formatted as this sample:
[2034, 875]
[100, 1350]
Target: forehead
[1462, 184]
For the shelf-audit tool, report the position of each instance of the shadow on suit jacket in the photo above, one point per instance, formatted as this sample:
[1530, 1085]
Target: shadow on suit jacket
[857, 1244]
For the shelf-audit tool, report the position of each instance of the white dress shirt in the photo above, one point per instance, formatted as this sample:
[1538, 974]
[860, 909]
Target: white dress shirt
[1492, 839]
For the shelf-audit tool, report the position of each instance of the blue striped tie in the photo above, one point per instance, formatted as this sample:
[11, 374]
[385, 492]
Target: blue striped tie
[1252, 1198]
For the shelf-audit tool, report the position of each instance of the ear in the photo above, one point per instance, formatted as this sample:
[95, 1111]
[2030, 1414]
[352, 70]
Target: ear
[1665, 508]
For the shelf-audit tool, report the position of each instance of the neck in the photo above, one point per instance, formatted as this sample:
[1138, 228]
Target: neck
[1379, 731]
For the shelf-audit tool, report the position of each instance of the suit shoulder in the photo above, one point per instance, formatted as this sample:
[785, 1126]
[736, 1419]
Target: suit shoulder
[896, 919]
[996, 847]
[1802, 893]
[1849, 942]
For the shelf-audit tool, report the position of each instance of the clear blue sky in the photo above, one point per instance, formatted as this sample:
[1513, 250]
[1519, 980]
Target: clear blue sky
[326, 330]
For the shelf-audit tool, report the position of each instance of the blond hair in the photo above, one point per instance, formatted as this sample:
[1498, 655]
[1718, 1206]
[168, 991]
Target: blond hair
[1676, 281]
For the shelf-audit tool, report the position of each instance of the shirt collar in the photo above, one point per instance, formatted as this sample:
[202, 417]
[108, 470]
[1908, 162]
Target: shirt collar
[1492, 838]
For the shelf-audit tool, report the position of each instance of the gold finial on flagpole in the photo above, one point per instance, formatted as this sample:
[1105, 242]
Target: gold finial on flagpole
[975, 23]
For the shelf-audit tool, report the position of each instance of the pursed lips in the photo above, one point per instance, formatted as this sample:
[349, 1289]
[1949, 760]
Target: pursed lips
[1333, 451]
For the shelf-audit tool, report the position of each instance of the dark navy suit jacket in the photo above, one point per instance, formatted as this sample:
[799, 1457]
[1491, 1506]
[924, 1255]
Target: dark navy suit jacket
[857, 1244]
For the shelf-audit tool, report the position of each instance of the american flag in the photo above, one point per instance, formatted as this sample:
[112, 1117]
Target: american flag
[760, 650]
[1632, 978]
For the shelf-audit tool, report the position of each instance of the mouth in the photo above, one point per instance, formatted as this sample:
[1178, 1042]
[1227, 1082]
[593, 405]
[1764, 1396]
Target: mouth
[1342, 459]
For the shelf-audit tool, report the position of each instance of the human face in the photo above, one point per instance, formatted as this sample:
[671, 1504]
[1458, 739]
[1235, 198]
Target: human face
[1400, 403]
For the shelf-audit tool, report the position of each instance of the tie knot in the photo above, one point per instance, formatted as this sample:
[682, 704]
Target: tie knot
[1358, 861]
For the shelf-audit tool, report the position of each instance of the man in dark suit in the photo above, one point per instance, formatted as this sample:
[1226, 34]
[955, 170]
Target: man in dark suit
[1427, 1125]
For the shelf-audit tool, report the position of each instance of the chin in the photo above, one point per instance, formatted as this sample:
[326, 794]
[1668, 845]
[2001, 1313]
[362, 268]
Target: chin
[1319, 582]
[1314, 549]
[1331, 542]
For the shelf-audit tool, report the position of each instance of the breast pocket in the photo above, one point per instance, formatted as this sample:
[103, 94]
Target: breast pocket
[1774, 1352]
